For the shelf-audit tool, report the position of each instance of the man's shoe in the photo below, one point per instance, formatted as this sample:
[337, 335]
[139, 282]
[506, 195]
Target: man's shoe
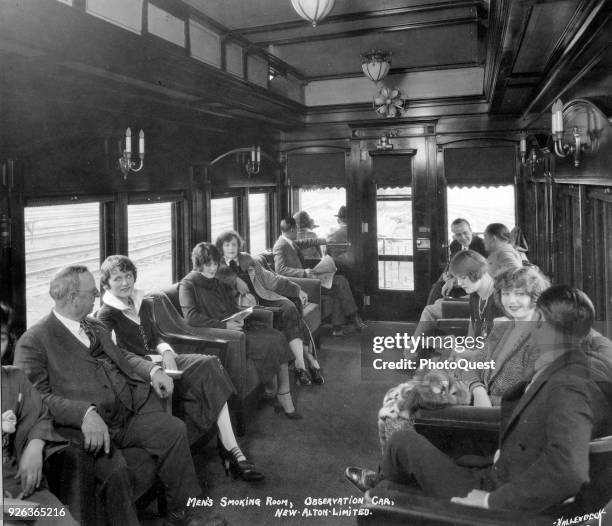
[363, 479]
[317, 377]
[194, 517]
[302, 377]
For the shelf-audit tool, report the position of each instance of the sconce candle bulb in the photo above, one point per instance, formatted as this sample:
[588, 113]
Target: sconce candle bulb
[126, 164]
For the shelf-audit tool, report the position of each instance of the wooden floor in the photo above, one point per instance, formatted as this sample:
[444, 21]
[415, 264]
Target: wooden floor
[304, 459]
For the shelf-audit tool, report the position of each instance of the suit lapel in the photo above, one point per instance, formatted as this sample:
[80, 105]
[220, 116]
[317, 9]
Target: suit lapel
[64, 337]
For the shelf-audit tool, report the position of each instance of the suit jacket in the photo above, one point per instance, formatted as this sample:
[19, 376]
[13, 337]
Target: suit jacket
[545, 434]
[70, 380]
[476, 245]
[287, 260]
[268, 285]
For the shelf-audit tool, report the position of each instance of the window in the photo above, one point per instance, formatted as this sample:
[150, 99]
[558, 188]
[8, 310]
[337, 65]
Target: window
[57, 236]
[221, 216]
[150, 244]
[258, 223]
[394, 238]
[322, 204]
[481, 206]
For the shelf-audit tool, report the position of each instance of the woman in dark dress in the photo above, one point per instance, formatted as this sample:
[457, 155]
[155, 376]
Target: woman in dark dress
[204, 387]
[471, 271]
[246, 276]
[206, 302]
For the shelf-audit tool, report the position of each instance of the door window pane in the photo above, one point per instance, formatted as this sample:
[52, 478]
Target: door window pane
[57, 236]
[221, 216]
[322, 204]
[258, 223]
[394, 238]
[150, 244]
[481, 206]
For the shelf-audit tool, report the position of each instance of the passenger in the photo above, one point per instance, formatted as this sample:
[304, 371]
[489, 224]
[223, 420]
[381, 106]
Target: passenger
[337, 241]
[559, 411]
[502, 254]
[206, 302]
[71, 359]
[27, 437]
[463, 239]
[471, 271]
[509, 345]
[289, 262]
[245, 276]
[305, 224]
[203, 389]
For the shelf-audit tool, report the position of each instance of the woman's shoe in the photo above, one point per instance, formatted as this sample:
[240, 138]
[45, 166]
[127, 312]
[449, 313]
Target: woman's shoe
[239, 468]
[294, 415]
[317, 377]
[291, 416]
[302, 377]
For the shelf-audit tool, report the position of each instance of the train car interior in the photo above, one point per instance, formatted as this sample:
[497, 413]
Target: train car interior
[146, 127]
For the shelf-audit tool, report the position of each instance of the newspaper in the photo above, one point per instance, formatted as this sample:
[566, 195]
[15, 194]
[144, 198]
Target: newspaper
[240, 315]
[325, 270]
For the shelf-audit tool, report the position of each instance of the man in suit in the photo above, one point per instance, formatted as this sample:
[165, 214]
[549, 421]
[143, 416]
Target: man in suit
[463, 239]
[288, 261]
[498, 243]
[101, 399]
[546, 425]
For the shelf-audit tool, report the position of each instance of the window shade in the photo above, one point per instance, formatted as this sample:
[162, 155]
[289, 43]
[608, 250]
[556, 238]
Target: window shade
[392, 171]
[480, 166]
[316, 169]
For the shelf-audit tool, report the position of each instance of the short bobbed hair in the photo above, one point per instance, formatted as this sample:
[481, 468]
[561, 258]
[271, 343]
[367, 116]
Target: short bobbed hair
[114, 263]
[498, 230]
[468, 263]
[203, 254]
[529, 279]
[226, 237]
[65, 281]
[568, 310]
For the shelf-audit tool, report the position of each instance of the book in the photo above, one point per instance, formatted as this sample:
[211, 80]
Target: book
[325, 270]
[240, 315]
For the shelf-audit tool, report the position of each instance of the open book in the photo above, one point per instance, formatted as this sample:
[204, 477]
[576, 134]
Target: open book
[240, 315]
[325, 270]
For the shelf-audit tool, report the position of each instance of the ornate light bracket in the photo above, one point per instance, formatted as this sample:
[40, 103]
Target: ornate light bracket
[250, 158]
[126, 164]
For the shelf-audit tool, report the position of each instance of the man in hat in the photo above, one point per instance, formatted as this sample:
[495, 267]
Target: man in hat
[305, 224]
[337, 241]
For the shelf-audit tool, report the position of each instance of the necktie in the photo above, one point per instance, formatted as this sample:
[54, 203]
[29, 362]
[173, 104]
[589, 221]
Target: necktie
[89, 331]
[234, 266]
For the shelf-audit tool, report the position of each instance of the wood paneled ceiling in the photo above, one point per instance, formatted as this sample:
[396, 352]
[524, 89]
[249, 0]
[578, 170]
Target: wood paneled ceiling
[450, 57]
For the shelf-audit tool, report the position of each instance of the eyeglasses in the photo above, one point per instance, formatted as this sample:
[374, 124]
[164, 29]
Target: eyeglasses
[95, 292]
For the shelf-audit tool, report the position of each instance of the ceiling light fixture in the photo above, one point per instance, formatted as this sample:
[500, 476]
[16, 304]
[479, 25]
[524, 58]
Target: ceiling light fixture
[313, 10]
[375, 64]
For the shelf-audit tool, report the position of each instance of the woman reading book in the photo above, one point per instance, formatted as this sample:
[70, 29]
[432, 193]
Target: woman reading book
[206, 302]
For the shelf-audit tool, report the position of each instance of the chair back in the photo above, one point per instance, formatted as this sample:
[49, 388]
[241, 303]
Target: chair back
[266, 260]
[173, 295]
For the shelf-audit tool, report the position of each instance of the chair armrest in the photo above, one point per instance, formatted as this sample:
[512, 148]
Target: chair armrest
[460, 417]
[263, 315]
[310, 286]
[414, 509]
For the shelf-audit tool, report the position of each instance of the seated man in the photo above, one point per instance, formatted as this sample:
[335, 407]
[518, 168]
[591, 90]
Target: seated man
[497, 241]
[101, 398]
[289, 262]
[547, 424]
[463, 239]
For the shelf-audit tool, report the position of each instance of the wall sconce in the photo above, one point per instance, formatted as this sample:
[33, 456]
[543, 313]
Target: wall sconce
[523, 148]
[561, 149]
[126, 164]
[252, 156]
[253, 164]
